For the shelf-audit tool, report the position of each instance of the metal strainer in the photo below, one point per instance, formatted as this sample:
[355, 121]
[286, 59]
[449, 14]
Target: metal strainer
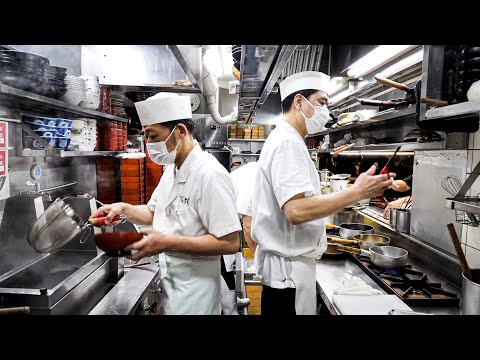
[58, 225]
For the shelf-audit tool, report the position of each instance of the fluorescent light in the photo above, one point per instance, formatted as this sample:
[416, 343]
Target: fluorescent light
[336, 83]
[376, 58]
[340, 96]
[413, 59]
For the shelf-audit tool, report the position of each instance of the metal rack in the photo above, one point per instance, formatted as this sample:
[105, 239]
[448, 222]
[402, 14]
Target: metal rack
[47, 104]
[246, 140]
[65, 153]
[467, 208]
[379, 118]
[42, 104]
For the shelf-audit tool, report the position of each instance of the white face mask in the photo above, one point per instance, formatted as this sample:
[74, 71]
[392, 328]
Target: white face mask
[317, 122]
[159, 154]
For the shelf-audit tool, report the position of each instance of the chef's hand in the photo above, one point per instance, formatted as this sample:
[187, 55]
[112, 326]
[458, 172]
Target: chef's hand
[110, 211]
[396, 204]
[370, 185]
[155, 242]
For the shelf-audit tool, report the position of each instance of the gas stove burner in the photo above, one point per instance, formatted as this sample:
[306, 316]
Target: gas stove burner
[390, 272]
[411, 285]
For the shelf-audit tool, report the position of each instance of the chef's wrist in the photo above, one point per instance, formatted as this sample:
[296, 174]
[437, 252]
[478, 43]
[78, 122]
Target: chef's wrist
[356, 193]
[173, 243]
[126, 209]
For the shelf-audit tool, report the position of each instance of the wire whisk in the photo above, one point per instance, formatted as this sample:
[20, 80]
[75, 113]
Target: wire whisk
[452, 185]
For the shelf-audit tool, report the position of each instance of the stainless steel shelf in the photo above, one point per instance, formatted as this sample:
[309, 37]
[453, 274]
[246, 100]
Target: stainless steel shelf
[247, 140]
[409, 146]
[49, 103]
[469, 204]
[469, 107]
[65, 153]
[384, 116]
[245, 155]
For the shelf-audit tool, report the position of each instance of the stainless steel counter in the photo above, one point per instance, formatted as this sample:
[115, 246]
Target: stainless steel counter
[131, 294]
[330, 273]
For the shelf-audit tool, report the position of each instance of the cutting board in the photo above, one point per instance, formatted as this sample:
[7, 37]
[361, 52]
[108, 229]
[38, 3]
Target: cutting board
[368, 305]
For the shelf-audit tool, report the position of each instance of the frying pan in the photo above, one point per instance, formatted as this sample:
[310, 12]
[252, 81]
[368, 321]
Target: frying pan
[389, 257]
[332, 250]
[349, 230]
[364, 241]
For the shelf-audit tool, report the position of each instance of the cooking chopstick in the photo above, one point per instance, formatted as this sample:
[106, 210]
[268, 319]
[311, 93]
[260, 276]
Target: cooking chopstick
[136, 264]
[404, 202]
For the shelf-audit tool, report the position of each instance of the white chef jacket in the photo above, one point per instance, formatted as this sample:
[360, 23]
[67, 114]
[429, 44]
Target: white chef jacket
[285, 170]
[195, 200]
[242, 178]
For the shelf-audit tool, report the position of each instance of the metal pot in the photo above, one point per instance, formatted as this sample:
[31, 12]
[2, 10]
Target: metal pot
[349, 230]
[324, 175]
[389, 257]
[332, 250]
[401, 219]
[347, 215]
[364, 241]
[369, 240]
[470, 303]
[58, 225]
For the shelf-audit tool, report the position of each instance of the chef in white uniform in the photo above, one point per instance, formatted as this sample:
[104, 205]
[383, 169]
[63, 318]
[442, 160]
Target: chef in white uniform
[243, 184]
[287, 205]
[192, 210]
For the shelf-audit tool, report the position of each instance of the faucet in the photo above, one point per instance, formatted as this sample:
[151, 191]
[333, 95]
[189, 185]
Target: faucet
[43, 192]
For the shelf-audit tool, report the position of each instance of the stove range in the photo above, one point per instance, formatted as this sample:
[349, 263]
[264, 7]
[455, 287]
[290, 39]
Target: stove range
[410, 285]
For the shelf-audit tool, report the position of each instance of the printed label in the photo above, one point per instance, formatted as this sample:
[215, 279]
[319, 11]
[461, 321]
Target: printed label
[3, 162]
[3, 134]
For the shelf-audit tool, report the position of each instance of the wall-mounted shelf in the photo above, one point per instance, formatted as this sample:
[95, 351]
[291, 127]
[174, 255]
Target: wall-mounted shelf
[382, 117]
[409, 146]
[65, 153]
[245, 154]
[47, 104]
[469, 205]
[247, 140]
[465, 108]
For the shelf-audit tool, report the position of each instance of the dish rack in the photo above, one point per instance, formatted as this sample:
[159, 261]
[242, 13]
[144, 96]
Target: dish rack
[467, 208]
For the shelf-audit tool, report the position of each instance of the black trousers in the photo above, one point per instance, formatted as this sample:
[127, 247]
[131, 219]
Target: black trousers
[278, 301]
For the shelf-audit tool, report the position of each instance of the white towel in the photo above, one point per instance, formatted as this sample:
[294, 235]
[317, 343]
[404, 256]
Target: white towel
[352, 285]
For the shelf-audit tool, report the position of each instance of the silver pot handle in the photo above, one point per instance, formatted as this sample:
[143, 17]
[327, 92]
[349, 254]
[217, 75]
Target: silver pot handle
[84, 238]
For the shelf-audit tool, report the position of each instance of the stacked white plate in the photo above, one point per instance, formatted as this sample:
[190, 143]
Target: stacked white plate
[117, 104]
[92, 94]
[76, 90]
[84, 134]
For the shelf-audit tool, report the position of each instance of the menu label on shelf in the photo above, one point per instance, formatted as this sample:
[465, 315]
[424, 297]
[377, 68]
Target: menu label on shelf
[3, 162]
[3, 134]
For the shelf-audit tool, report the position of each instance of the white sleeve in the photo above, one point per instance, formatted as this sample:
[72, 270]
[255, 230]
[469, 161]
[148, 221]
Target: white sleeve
[289, 172]
[216, 206]
[244, 199]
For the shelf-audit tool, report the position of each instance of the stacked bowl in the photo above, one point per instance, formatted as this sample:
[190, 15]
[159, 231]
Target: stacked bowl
[56, 81]
[92, 94]
[24, 71]
[84, 134]
[55, 131]
[76, 90]
[117, 106]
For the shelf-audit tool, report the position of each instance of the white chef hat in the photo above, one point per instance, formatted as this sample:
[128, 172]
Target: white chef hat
[304, 80]
[163, 107]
